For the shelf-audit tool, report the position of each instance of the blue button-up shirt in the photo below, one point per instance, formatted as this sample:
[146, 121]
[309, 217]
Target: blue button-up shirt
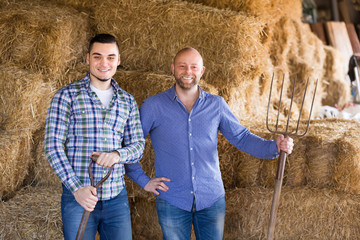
[77, 124]
[185, 146]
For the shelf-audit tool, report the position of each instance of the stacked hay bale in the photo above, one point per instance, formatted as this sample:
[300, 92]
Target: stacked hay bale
[293, 49]
[48, 44]
[321, 184]
[304, 213]
[269, 10]
[240, 50]
[334, 83]
[230, 42]
[24, 99]
[35, 50]
[33, 213]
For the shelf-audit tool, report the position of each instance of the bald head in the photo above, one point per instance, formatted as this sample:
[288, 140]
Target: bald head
[190, 50]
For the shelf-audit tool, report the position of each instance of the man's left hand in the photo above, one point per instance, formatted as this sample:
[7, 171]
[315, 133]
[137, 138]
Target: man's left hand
[107, 159]
[285, 144]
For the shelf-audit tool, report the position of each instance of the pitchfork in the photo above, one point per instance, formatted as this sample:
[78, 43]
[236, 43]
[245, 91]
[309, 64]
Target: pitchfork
[282, 158]
[86, 214]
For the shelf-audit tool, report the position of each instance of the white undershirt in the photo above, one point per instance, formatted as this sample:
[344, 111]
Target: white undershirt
[105, 96]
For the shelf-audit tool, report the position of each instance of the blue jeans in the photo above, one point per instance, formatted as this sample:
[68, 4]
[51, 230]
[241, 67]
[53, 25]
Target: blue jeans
[111, 218]
[176, 223]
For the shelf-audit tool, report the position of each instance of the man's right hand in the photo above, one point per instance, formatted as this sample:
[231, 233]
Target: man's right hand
[157, 183]
[86, 197]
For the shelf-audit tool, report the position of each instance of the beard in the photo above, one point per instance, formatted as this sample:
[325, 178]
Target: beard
[186, 86]
[100, 79]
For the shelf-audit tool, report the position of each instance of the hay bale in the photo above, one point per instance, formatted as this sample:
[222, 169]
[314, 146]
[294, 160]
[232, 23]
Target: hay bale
[34, 213]
[332, 155]
[15, 157]
[295, 168]
[294, 51]
[303, 213]
[151, 32]
[297, 52]
[43, 36]
[81, 5]
[321, 156]
[238, 169]
[242, 170]
[147, 164]
[25, 98]
[144, 219]
[42, 173]
[269, 10]
[347, 165]
[335, 84]
[72, 75]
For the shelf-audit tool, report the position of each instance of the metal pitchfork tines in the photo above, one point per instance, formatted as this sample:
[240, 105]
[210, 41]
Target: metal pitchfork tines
[282, 157]
[86, 214]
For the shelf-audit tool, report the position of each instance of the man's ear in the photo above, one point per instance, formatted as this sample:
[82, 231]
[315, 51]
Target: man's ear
[202, 71]
[87, 58]
[119, 61]
[172, 68]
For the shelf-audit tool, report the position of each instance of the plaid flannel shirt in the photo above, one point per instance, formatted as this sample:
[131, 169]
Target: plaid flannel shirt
[77, 124]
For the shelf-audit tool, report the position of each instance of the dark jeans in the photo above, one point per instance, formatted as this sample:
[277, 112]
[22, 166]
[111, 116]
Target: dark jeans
[176, 223]
[111, 218]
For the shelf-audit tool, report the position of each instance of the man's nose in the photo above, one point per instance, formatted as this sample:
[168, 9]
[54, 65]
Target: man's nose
[188, 69]
[103, 61]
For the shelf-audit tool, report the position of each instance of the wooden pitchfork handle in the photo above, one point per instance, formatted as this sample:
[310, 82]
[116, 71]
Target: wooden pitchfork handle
[86, 214]
[277, 192]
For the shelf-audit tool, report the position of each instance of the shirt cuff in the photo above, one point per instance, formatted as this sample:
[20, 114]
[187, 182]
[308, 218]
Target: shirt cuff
[73, 184]
[123, 155]
[143, 180]
[274, 149]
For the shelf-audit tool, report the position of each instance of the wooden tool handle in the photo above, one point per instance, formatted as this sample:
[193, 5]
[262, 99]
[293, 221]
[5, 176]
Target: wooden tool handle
[276, 196]
[82, 226]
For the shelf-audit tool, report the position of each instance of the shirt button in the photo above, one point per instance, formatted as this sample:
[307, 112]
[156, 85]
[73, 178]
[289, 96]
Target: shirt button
[189, 119]
[190, 134]
[191, 192]
[192, 163]
[193, 178]
[191, 149]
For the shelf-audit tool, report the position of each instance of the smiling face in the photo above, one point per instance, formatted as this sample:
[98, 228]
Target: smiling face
[103, 60]
[188, 68]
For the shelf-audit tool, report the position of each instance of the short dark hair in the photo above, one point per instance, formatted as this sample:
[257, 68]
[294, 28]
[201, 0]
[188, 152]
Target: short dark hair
[103, 38]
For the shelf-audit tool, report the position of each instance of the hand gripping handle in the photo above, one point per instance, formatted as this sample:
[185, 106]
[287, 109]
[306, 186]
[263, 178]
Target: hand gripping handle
[93, 159]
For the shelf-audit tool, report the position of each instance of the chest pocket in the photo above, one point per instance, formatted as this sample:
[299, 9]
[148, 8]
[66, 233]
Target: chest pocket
[82, 116]
[116, 120]
[82, 122]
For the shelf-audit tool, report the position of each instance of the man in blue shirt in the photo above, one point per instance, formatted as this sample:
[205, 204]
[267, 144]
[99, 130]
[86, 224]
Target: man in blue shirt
[183, 123]
[94, 116]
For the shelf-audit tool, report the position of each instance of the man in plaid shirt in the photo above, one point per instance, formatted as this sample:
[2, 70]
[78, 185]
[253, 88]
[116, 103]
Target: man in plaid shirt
[94, 116]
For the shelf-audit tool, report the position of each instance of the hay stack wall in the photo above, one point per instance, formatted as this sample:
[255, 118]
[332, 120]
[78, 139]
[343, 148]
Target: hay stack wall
[48, 44]
[239, 52]
[24, 100]
[303, 213]
[293, 49]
